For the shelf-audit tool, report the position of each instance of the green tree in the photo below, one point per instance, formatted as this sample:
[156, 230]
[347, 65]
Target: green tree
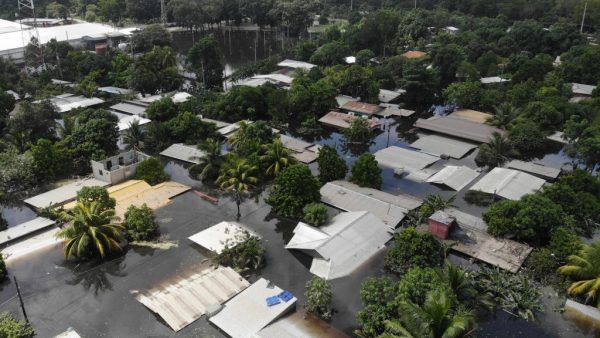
[243, 253]
[151, 36]
[330, 54]
[414, 249]
[295, 187]
[134, 135]
[162, 110]
[504, 114]
[16, 173]
[465, 94]
[90, 233]
[438, 317]
[205, 58]
[238, 179]
[315, 214]
[112, 10]
[584, 270]
[526, 137]
[140, 223]
[319, 298]
[359, 131]
[366, 172]
[276, 157]
[98, 195]
[331, 166]
[152, 171]
[156, 71]
[210, 163]
[188, 128]
[12, 328]
[31, 122]
[378, 297]
[494, 153]
[50, 160]
[446, 59]
[7, 104]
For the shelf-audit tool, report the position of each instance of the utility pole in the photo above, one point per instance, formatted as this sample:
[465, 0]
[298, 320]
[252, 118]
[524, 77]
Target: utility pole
[21, 299]
[583, 17]
[27, 8]
[163, 13]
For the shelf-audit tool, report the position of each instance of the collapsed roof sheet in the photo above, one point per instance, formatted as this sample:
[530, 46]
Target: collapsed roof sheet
[347, 196]
[508, 183]
[454, 177]
[401, 158]
[183, 152]
[248, 312]
[440, 145]
[340, 247]
[218, 236]
[536, 169]
[458, 127]
[182, 302]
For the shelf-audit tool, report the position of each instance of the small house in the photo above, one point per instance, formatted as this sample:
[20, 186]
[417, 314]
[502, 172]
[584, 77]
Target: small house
[118, 168]
[440, 224]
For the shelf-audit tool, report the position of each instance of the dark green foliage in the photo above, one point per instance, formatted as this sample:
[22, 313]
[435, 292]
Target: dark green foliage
[50, 160]
[378, 297]
[331, 166]
[155, 71]
[526, 137]
[3, 271]
[366, 172]
[89, 195]
[295, 187]
[16, 173]
[32, 122]
[140, 223]
[319, 297]
[162, 110]
[152, 171]
[531, 219]
[315, 214]
[149, 37]
[543, 262]
[12, 328]
[3, 223]
[188, 128]
[7, 104]
[244, 253]
[205, 58]
[412, 249]
[359, 131]
[330, 54]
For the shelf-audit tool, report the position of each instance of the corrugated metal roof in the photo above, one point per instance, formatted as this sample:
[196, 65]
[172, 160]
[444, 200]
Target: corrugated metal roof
[294, 144]
[276, 78]
[24, 229]
[182, 302]
[493, 79]
[129, 108]
[218, 236]
[183, 152]
[582, 89]
[471, 115]
[180, 97]
[458, 127]
[347, 196]
[414, 54]
[508, 183]
[219, 124]
[115, 90]
[343, 99]
[341, 120]
[65, 103]
[352, 238]
[391, 109]
[396, 157]
[248, 313]
[386, 95]
[361, 107]
[534, 169]
[125, 120]
[557, 137]
[454, 177]
[296, 64]
[228, 130]
[63, 194]
[440, 145]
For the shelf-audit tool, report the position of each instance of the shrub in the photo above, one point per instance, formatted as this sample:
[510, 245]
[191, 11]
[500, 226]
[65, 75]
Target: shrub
[12, 328]
[366, 172]
[295, 187]
[151, 171]
[88, 195]
[244, 253]
[3, 223]
[3, 271]
[319, 298]
[413, 249]
[331, 166]
[140, 223]
[315, 214]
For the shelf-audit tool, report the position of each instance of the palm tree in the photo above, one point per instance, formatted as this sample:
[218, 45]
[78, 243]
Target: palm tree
[240, 134]
[504, 114]
[436, 318]
[238, 179]
[584, 269]
[90, 232]
[134, 135]
[210, 163]
[494, 153]
[461, 284]
[276, 157]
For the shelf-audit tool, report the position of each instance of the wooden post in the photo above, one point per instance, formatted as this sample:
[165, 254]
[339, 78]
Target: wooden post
[21, 299]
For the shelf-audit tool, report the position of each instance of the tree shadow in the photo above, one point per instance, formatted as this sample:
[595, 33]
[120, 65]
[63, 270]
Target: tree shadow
[95, 275]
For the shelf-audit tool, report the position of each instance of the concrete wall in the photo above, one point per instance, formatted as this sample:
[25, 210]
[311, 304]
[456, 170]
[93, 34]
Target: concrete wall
[118, 168]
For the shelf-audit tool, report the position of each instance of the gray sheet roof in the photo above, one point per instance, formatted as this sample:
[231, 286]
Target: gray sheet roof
[582, 89]
[454, 177]
[440, 145]
[294, 144]
[457, 127]
[390, 109]
[129, 108]
[386, 95]
[183, 152]
[534, 169]
[63, 194]
[24, 229]
[347, 196]
[411, 160]
[508, 183]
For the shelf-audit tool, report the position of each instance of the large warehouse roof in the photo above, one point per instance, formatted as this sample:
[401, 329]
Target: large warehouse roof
[458, 127]
[440, 145]
[389, 208]
[343, 245]
[508, 183]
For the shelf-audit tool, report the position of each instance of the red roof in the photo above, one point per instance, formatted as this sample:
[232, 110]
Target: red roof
[361, 107]
[414, 54]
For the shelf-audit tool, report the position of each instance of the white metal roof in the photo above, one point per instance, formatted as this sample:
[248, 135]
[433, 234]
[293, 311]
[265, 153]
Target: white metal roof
[183, 152]
[508, 183]
[221, 234]
[247, 313]
[10, 26]
[126, 120]
[352, 238]
[557, 137]
[296, 64]
[227, 130]
[438, 145]
[582, 89]
[294, 144]
[350, 60]
[347, 196]
[300, 325]
[454, 177]
[115, 90]
[493, 79]
[63, 194]
[129, 108]
[275, 77]
[458, 127]
[180, 97]
[24, 229]
[183, 301]
[396, 157]
[536, 169]
[387, 96]
[219, 124]
[67, 102]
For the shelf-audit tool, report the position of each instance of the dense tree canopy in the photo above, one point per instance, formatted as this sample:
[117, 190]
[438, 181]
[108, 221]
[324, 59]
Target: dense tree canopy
[294, 188]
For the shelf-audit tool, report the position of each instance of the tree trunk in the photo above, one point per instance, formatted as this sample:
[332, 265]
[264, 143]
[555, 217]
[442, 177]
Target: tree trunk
[238, 201]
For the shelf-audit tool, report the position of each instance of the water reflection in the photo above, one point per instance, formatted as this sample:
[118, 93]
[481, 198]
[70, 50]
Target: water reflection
[95, 275]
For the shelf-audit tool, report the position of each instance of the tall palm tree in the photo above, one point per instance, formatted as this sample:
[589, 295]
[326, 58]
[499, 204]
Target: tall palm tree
[210, 163]
[504, 114]
[238, 179]
[584, 270]
[496, 152]
[134, 135]
[276, 157]
[240, 134]
[91, 231]
[436, 318]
